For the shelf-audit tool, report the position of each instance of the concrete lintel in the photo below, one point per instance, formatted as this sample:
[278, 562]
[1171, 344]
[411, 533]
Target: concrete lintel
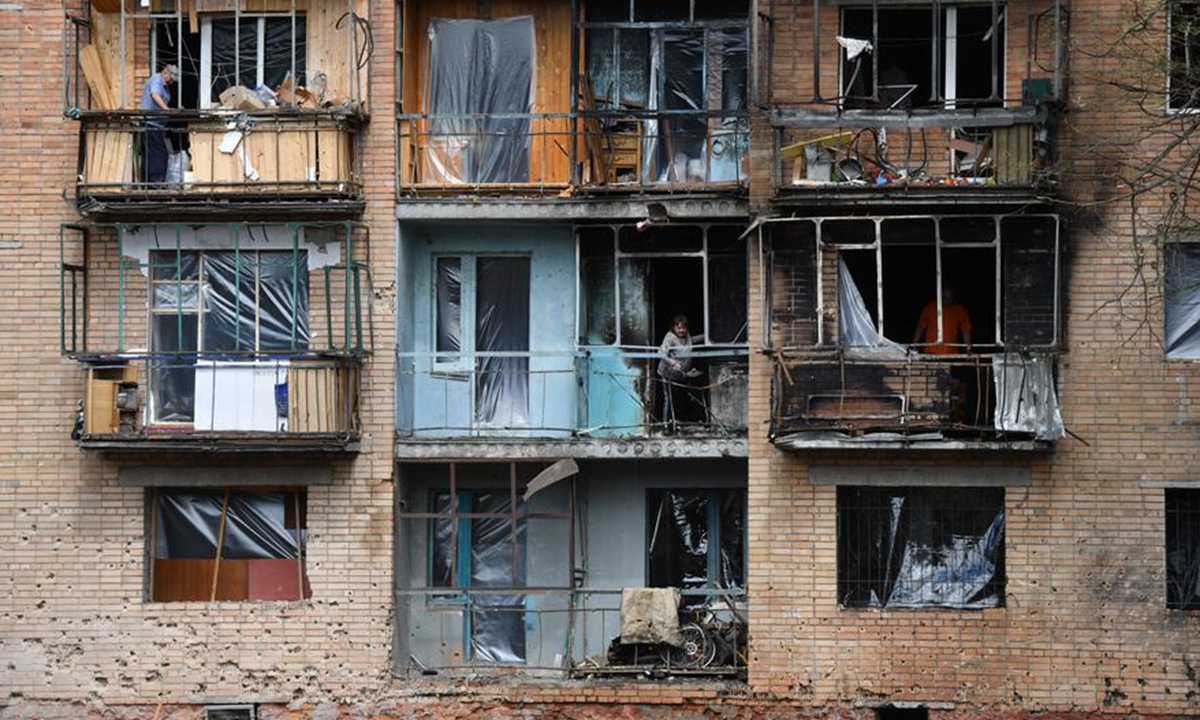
[983, 117]
[184, 476]
[1151, 484]
[595, 448]
[920, 476]
[617, 208]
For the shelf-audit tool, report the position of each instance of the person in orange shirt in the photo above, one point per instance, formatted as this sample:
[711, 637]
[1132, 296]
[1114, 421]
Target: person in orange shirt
[956, 326]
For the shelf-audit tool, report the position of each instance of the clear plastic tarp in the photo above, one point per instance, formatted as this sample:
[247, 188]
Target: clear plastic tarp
[1182, 300]
[921, 547]
[449, 304]
[856, 328]
[482, 68]
[256, 525]
[501, 332]
[1025, 397]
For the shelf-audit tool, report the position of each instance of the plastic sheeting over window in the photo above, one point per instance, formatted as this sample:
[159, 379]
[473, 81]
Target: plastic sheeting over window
[1025, 396]
[480, 68]
[1183, 548]
[856, 328]
[255, 301]
[449, 304]
[1181, 300]
[484, 553]
[501, 328]
[252, 45]
[257, 526]
[921, 547]
[696, 538]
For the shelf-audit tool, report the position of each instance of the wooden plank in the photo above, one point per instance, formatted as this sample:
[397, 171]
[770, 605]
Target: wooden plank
[97, 79]
[182, 580]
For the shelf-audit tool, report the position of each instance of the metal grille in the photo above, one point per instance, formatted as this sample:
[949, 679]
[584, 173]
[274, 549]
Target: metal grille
[1183, 549]
[921, 547]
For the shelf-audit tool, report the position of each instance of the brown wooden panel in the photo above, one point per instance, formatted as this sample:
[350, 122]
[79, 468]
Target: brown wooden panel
[180, 580]
[275, 580]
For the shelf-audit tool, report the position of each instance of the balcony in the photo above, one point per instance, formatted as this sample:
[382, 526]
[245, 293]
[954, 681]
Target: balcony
[930, 332]
[262, 165]
[587, 399]
[913, 103]
[236, 338]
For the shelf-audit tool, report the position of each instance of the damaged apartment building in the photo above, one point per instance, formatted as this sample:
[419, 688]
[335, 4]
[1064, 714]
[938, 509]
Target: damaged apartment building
[637, 359]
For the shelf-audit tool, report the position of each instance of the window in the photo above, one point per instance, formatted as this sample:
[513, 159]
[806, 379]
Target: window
[660, 273]
[920, 547]
[250, 51]
[969, 46]
[1183, 549]
[1181, 300]
[229, 544]
[219, 303]
[696, 539]
[479, 543]
[1183, 90]
[482, 313]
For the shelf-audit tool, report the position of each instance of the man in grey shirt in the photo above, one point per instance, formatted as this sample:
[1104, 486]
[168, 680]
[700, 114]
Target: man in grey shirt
[156, 97]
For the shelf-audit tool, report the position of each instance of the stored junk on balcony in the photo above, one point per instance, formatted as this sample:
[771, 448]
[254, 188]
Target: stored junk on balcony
[937, 331]
[207, 337]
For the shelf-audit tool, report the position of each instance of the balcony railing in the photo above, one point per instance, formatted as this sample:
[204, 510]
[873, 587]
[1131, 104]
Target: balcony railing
[932, 401]
[595, 392]
[290, 163]
[553, 153]
[301, 401]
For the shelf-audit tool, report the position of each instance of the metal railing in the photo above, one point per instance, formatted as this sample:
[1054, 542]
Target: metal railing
[593, 392]
[139, 156]
[568, 633]
[551, 152]
[923, 396]
[191, 397]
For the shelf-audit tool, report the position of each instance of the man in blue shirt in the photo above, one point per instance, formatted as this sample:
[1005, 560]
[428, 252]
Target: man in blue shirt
[156, 96]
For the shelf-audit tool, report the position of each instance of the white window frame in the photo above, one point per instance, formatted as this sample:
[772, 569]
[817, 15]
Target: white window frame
[206, 75]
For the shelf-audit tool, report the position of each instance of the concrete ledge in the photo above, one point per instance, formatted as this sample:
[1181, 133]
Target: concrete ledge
[191, 476]
[598, 448]
[477, 209]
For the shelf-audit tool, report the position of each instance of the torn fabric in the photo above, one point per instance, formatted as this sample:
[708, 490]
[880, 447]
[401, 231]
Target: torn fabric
[1025, 397]
[855, 325]
[1182, 300]
[650, 615]
[921, 547]
[854, 46]
[481, 73]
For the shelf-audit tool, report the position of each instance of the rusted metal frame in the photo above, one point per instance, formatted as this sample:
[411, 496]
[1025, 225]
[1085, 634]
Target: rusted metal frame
[937, 32]
[152, 551]
[875, 51]
[453, 508]
[816, 49]
[483, 515]
[512, 518]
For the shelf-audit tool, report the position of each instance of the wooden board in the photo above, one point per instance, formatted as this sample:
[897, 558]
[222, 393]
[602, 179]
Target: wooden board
[97, 78]
[182, 580]
[275, 580]
[328, 47]
[1012, 149]
[319, 397]
[108, 160]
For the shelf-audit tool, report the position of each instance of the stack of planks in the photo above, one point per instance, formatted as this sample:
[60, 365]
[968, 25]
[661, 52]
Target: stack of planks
[108, 166]
[286, 159]
[322, 398]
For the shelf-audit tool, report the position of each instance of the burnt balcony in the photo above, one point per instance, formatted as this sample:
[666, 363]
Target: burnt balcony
[240, 337]
[266, 165]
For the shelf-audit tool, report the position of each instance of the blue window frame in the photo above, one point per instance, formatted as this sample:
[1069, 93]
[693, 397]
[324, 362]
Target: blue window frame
[696, 539]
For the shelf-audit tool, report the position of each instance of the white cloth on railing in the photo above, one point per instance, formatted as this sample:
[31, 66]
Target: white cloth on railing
[650, 615]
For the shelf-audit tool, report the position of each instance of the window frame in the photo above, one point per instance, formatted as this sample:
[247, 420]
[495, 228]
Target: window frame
[941, 42]
[1168, 106]
[1191, 499]
[205, 66]
[154, 311]
[712, 586]
[1168, 248]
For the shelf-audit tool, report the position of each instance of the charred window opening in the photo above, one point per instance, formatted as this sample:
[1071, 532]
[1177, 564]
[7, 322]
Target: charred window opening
[667, 88]
[891, 712]
[920, 547]
[1184, 61]
[250, 50]
[696, 539]
[1183, 549]
[230, 544]
[1181, 300]
[920, 56]
[216, 303]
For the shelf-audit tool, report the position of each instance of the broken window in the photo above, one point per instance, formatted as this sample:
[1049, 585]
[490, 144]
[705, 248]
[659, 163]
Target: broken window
[228, 544]
[920, 547]
[250, 51]
[479, 544]
[1183, 548]
[1184, 61]
[669, 80]
[220, 302]
[954, 56]
[479, 90]
[1181, 300]
[696, 539]
[482, 313]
